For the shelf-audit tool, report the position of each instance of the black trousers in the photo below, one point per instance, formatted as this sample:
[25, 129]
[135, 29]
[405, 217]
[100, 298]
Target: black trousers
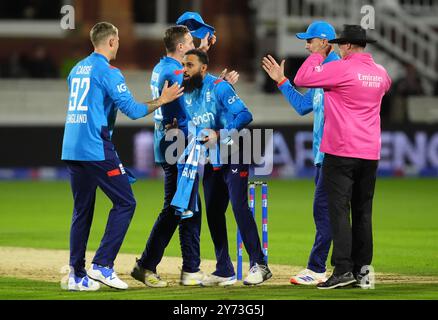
[230, 184]
[350, 183]
[165, 226]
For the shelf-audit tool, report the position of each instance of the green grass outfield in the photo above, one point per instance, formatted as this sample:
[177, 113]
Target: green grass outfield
[38, 214]
[19, 289]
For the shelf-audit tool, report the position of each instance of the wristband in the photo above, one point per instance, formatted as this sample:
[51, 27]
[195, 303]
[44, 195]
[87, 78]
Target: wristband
[279, 84]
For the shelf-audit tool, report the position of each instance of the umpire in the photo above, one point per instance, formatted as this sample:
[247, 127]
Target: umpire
[353, 91]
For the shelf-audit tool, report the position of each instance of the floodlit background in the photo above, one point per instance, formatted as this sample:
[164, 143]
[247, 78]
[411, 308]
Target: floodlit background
[36, 55]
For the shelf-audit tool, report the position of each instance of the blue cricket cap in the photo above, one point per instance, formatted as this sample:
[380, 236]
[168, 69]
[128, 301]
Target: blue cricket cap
[198, 28]
[318, 29]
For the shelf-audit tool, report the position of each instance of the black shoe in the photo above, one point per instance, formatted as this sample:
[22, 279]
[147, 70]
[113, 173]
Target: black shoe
[148, 277]
[138, 272]
[338, 281]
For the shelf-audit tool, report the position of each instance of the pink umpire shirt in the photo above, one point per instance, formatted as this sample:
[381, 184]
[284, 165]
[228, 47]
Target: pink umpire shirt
[353, 91]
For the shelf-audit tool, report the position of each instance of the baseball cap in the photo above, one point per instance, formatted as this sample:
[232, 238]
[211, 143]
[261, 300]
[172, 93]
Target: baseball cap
[318, 29]
[198, 28]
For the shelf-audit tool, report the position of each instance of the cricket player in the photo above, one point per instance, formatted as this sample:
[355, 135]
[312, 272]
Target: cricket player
[213, 104]
[317, 35]
[97, 91]
[177, 40]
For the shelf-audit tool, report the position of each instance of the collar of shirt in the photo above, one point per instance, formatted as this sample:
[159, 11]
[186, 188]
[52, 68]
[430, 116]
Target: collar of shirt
[208, 78]
[359, 56]
[172, 60]
[100, 56]
[333, 56]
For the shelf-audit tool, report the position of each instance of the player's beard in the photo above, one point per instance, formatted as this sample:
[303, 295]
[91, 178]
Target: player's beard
[193, 83]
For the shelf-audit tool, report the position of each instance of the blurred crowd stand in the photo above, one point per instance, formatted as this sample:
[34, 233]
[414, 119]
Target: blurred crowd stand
[34, 64]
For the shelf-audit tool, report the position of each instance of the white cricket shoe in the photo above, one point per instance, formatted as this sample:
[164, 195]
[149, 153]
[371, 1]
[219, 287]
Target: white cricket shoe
[257, 274]
[308, 277]
[365, 279]
[106, 276]
[81, 283]
[214, 280]
[192, 278]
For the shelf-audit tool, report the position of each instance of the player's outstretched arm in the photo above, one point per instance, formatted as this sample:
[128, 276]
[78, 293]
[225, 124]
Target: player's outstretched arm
[314, 74]
[229, 99]
[168, 94]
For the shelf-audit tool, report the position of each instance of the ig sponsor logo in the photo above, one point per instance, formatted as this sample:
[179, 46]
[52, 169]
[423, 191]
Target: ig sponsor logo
[122, 88]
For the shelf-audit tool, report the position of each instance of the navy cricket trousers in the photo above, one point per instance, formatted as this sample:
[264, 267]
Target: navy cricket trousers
[323, 237]
[230, 183]
[165, 226]
[85, 177]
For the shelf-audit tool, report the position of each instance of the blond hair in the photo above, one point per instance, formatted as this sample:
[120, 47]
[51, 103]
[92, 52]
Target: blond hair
[101, 31]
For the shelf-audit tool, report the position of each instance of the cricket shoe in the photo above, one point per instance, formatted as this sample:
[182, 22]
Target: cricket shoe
[257, 274]
[192, 278]
[214, 280]
[365, 278]
[149, 278]
[308, 277]
[82, 283]
[106, 276]
[338, 281]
